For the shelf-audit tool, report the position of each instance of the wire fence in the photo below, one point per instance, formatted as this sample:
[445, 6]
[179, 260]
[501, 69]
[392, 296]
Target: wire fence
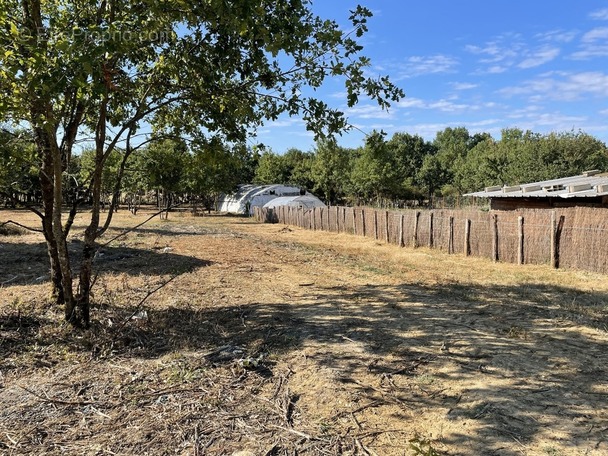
[575, 238]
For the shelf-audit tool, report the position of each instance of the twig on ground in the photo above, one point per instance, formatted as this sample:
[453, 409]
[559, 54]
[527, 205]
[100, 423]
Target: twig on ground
[58, 401]
[141, 302]
[298, 433]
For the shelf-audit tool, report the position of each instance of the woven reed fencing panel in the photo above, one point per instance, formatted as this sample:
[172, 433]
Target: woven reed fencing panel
[574, 238]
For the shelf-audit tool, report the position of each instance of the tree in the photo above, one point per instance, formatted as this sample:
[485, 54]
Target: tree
[331, 171]
[373, 176]
[298, 166]
[216, 168]
[109, 174]
[271, 169]
[408, 153]
[165, 163]
[107, 68]
[17, 167]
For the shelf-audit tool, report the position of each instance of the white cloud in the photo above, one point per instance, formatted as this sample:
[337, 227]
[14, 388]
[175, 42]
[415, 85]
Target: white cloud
[369, 112]
[600, 33]
[557, 36]
[445, 105]
[511, 50]
[497, 69]
[560, 86]
[589, 52]
[539, 57]
[429, 130]
[424, 65]
[463, 85]
[288, 122]
[600, 15]
[594, 44]
[411, 103]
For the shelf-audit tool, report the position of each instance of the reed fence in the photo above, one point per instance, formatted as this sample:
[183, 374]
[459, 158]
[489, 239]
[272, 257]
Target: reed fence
[575, 238]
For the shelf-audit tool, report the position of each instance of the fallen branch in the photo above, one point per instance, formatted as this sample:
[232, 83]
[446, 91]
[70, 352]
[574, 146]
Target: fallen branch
[293, 431]
[141, 302]
[58, 401]
[36, 230]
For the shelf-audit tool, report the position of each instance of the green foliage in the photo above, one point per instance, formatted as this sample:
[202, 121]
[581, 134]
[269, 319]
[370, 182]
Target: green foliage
[374, 175]
[18, 165]
[422, 447]
[272, 169]
[110, 171]
[521, 157]
[215, 168]
[331, 170]
[291, 168]
[165, 163]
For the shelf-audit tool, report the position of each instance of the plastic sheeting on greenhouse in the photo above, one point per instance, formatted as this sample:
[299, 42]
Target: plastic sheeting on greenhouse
[307, 201]
[250, 196]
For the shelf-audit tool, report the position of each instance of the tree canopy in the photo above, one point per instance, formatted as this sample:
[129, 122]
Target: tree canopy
[197, 70]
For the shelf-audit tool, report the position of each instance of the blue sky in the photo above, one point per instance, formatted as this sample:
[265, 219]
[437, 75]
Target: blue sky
[485, 65]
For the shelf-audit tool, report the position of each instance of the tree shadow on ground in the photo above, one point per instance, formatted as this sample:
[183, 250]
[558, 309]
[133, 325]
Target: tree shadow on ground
[518, 359]
[28, 263]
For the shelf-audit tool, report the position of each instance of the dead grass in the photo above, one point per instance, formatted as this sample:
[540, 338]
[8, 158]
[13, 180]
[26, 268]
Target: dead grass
[273, 340]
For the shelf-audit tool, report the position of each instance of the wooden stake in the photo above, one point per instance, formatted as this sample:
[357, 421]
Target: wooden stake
[386, 230]
[363, 222]
[495, 237]
[375, 224]
[520, 236]
[553, 233]
[467, 237]
[431, 230]
[451, 236]
[337, 219]
[416, 224]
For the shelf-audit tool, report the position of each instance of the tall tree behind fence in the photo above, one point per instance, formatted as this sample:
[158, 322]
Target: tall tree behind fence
[563, 237]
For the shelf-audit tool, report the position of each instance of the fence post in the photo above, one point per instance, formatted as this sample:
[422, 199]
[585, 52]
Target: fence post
[495, 237]
[520, 236]
[401, 225]
[431, 230]
[416, 224]
[467, 237]
[386, 229]
[337, 219]
[321, 217]
[354, 221]
[363, 222]
[451, 235]
[375, 224]
[344, 219]
[553, 240]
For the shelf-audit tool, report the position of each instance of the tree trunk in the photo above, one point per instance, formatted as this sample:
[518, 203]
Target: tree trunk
[46, 185]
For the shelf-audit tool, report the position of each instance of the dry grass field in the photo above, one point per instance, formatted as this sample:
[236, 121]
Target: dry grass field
[271, 340]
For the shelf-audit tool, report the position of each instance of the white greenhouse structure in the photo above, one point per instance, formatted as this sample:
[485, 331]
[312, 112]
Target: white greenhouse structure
[307, 201]
[250, 196]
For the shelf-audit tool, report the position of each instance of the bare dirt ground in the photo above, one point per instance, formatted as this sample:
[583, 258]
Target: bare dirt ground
[273, 340]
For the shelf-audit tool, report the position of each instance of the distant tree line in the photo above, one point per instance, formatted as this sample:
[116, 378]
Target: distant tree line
[164, 172]
[409, 169]
[403, 170]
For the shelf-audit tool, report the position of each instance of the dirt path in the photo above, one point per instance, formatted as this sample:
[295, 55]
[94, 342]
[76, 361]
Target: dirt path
[275, 340]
